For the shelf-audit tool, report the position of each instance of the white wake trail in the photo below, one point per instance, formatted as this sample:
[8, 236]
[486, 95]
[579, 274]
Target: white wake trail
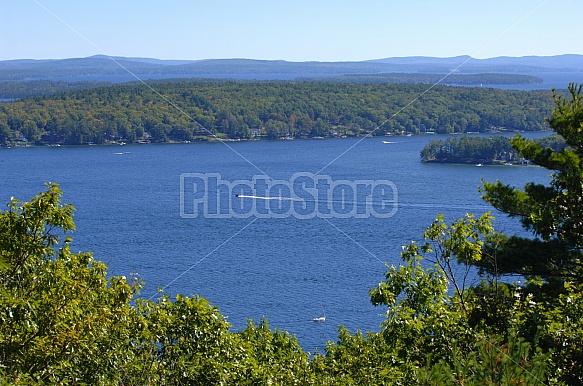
[269, 198]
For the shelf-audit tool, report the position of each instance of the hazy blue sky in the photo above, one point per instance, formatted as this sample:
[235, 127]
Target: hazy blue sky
[296, 30]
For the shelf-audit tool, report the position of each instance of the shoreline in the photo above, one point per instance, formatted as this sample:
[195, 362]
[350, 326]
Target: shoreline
[209, 140]
[216, 140]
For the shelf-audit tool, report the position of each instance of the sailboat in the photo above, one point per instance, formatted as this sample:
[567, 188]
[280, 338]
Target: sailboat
[320, 319]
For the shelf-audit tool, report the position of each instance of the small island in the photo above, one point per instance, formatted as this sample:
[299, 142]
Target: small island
[495, 150]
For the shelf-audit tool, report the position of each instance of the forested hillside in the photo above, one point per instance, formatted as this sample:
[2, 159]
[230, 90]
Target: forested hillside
[187, 110]
[17, 89]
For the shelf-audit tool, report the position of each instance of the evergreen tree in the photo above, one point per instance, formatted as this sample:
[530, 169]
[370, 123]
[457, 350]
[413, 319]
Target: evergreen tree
[553, 213]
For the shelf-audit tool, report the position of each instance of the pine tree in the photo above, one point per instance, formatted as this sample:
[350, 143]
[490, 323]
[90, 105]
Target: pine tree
[553, 213]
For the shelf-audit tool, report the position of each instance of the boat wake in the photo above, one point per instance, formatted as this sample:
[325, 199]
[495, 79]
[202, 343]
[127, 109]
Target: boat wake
[366, 202]
[269, 198]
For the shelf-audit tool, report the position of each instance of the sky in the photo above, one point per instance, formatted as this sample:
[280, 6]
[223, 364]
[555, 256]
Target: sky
[292, 30]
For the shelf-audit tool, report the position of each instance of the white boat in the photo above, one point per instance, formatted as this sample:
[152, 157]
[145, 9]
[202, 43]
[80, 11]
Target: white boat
[320, 319]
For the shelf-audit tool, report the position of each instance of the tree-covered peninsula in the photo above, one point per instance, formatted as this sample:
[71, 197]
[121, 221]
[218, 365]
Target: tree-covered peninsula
[187, 110]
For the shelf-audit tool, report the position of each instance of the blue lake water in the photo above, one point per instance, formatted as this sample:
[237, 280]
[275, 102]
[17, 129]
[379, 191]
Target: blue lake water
[288, 270]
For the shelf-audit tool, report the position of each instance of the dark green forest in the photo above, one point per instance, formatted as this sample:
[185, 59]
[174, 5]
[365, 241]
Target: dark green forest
[42, 87]
[17, 89]
[187, 110]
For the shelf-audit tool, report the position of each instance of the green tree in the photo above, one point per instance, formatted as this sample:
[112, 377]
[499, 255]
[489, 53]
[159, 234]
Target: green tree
[554, 213]
[61, 319]
[430, 336]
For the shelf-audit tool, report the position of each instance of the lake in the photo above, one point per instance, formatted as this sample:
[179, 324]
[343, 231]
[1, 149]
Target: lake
[287, 269]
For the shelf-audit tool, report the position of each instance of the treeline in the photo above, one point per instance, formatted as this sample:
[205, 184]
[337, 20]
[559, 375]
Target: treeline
[18, 89]
[190, 110]
[480, 150]
[31, 88]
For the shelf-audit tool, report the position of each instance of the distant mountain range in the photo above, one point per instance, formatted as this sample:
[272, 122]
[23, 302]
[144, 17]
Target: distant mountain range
[100, 66]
